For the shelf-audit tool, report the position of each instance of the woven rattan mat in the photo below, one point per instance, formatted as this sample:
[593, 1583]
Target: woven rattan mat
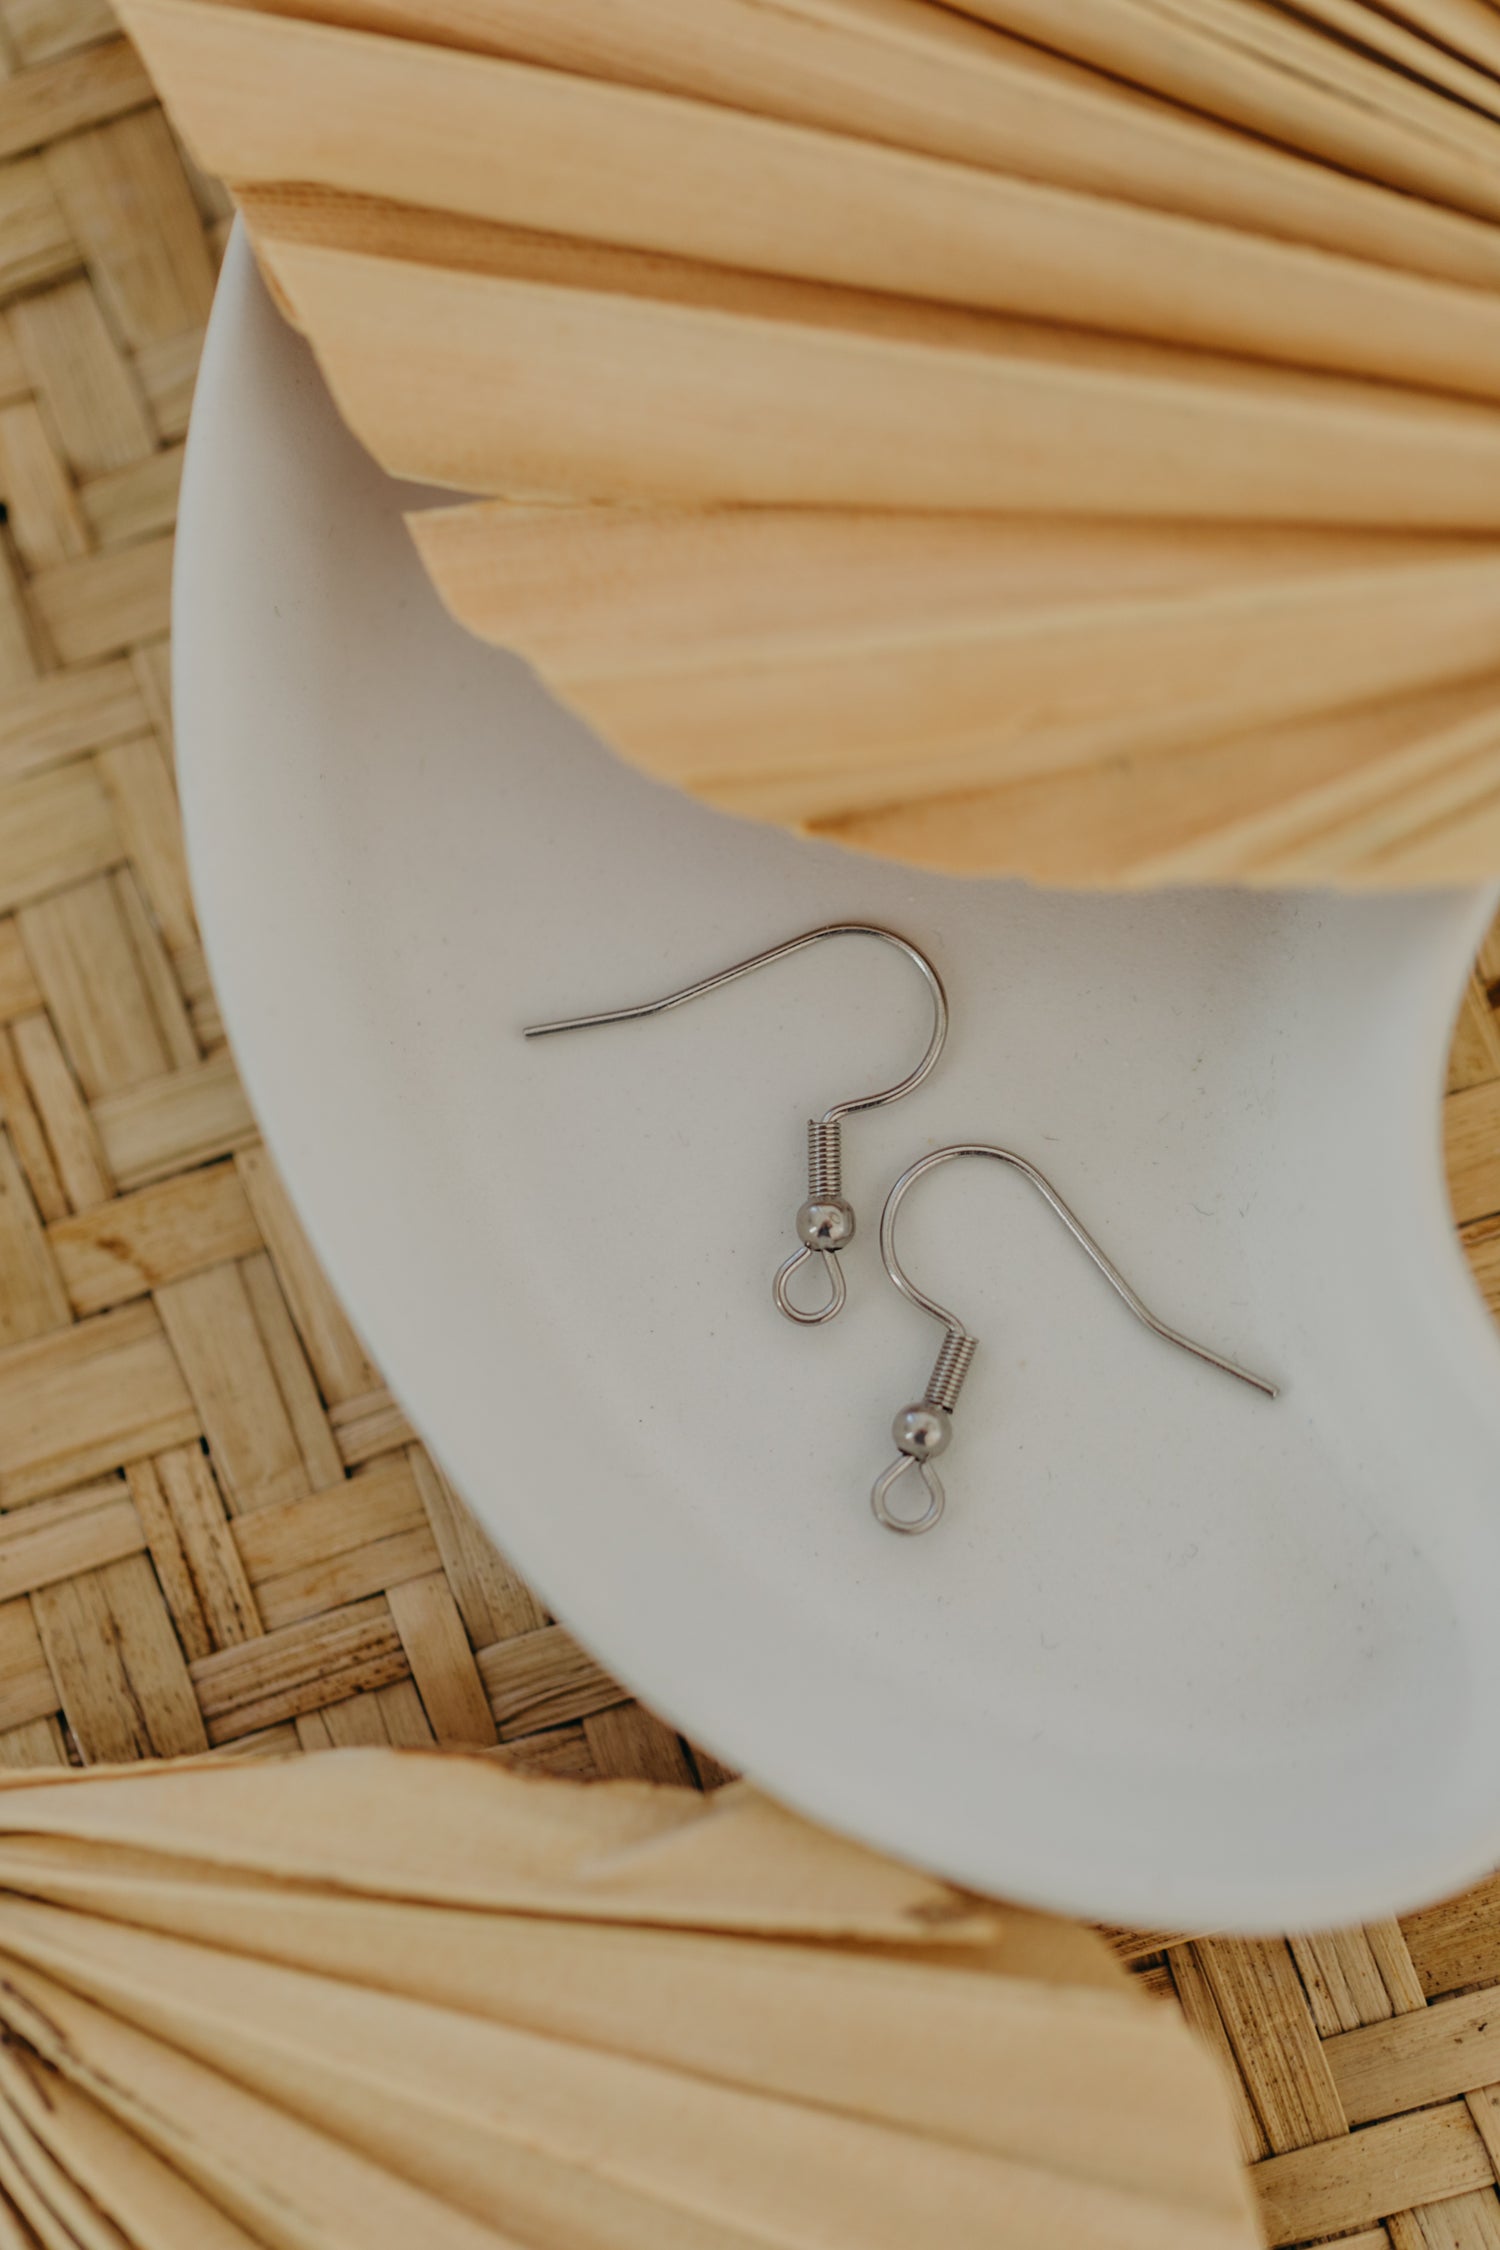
[217, 1527]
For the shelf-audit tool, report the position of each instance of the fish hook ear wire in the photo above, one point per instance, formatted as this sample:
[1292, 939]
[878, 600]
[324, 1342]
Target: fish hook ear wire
[825, 1223]
[924, 1429]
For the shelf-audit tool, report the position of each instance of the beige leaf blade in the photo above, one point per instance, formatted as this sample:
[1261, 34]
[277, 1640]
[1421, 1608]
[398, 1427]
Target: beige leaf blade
[387, 117]
[43, 2192]
[1291, 802]
[742, 389]
[520, 2130]
[154, 2205]
[1378, 31]
[826, 2027]
[1259, 68]
[470, 1831]
[1468, 26]
[922, 78]
[284, 2183]
[819, 668]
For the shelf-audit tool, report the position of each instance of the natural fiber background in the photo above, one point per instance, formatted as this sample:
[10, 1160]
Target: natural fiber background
[217, 1529]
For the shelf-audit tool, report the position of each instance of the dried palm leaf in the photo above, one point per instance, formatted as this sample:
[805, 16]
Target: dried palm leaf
[1258, 67]
[1009, 435]
[640, 170]
[464, 1832]
[230, 2019]
[632, 376]
[826, 669]
[900, 76]
[1467, 26]
[1367, 24]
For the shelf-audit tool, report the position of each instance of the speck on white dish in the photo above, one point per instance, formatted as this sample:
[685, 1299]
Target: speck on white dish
[1177, 1654]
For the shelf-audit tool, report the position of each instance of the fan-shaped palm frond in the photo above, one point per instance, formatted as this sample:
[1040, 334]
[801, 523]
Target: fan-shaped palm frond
[902, 354]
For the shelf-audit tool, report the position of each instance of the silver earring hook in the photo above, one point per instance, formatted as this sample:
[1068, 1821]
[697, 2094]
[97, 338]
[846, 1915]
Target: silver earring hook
[924, 1430]
[825, 1222]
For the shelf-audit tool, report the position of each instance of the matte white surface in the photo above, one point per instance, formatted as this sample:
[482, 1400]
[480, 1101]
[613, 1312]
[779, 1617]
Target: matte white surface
[1177, 1654]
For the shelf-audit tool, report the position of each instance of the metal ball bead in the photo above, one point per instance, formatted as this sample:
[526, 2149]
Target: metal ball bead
[922, 1432]
[827, 1225]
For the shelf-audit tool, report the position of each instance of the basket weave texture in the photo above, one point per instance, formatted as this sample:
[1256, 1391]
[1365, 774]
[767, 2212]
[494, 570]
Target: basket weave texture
[216, 1528]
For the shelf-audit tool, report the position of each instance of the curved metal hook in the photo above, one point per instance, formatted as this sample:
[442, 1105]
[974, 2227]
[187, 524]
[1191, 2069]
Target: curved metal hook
[924, 1429]
[825, 1222]
[1075, 1227]
[705, 985]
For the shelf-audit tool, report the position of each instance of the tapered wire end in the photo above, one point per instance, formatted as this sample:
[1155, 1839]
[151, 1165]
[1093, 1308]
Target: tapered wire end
[1260, 1383]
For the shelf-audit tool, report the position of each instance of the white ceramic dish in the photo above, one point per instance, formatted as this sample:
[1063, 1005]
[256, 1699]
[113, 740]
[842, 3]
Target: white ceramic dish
[1177, 1654]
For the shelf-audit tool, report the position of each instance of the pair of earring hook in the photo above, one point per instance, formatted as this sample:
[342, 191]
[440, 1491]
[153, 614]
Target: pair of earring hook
[826, 1223]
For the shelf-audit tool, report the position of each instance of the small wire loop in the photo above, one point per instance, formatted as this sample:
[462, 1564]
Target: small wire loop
[838, 1288]
[880, 1495]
